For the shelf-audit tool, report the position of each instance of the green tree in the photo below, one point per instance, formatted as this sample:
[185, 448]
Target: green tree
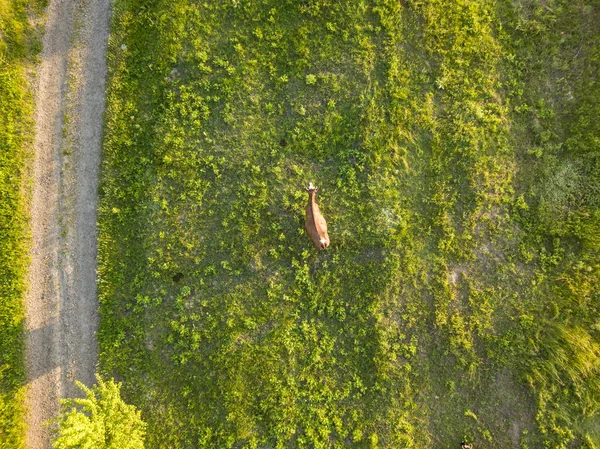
[101, 420]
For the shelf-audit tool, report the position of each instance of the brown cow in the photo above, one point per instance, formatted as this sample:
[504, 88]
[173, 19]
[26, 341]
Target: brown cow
[316, 226]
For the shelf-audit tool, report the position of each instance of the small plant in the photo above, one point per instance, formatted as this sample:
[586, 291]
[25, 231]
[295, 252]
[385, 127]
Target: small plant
[101, 420]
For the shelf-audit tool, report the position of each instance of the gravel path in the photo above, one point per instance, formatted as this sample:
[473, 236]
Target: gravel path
[61, 301]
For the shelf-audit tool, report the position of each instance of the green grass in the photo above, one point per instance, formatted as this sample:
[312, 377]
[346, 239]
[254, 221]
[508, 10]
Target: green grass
[456, 145]
[18, 47]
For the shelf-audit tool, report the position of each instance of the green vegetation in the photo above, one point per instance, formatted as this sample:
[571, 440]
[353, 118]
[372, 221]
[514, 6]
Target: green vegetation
[456, 147]
[100, 420]
[18, 48]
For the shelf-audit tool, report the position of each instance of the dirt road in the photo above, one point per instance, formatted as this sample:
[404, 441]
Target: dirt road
[61, 301]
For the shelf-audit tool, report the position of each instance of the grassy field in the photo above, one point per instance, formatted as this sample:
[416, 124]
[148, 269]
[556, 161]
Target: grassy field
[19, 45]
[456, 147]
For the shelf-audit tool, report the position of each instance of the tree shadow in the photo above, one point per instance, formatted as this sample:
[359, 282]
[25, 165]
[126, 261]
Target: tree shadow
[42, 352]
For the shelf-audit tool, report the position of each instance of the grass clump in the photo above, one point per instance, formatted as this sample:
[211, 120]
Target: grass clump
[18, 47]
[456, 301]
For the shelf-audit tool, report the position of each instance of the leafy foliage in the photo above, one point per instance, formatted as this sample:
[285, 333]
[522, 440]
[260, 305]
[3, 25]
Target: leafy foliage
[101, 420]
[455, 146]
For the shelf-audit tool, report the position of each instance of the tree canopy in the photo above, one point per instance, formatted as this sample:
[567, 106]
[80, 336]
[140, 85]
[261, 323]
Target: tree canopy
[100, 420]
